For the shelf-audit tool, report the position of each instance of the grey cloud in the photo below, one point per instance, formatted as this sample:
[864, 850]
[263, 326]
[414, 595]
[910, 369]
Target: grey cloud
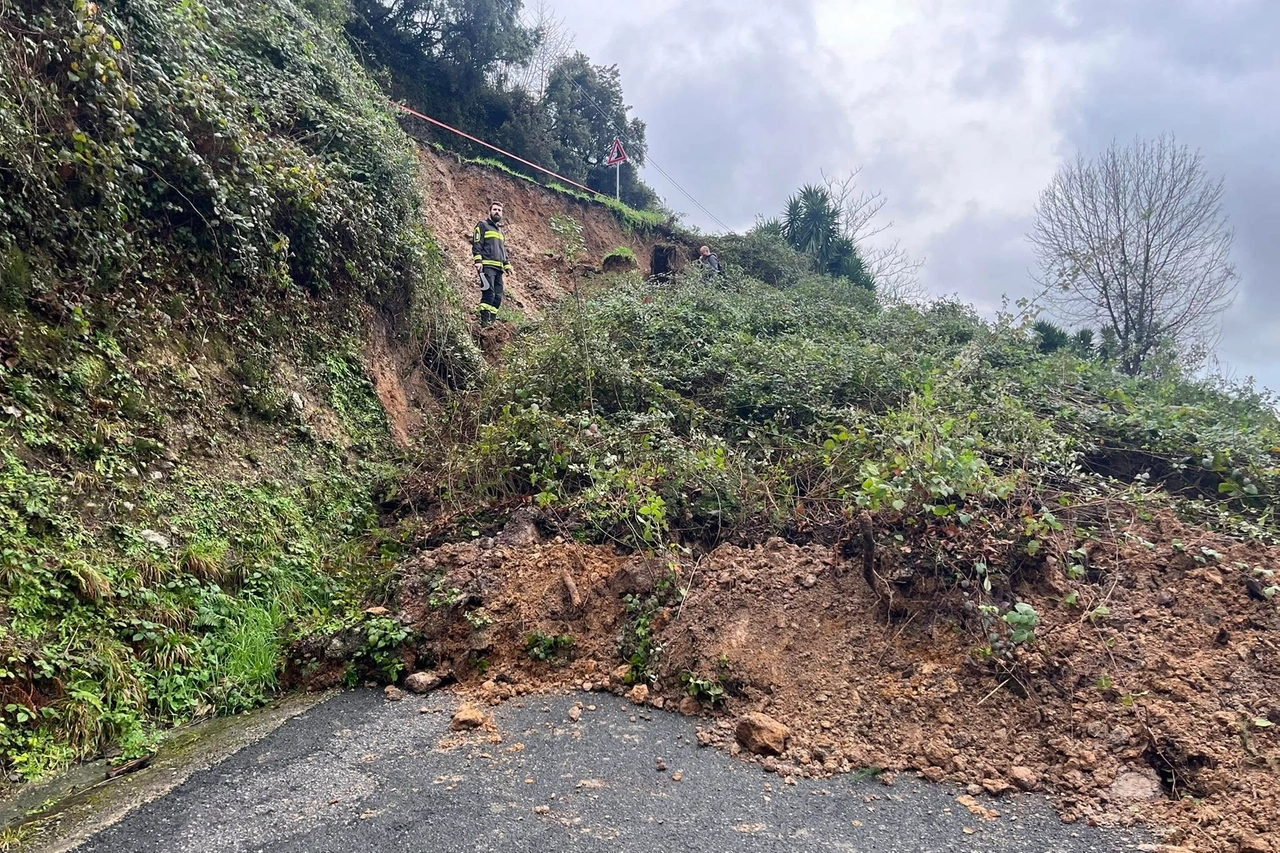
[1203, 71]
[742, 108]
[735, 108]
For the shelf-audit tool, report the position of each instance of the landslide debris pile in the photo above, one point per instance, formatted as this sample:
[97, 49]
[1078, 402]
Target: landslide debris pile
[911, 539]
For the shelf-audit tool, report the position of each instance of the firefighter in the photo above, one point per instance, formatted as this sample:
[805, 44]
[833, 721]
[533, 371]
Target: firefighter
[489, 251]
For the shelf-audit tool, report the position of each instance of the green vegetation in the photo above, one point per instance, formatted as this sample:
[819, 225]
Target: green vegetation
[201, 204]
[815, 225]
[481, 68]
[696, 414]
[622, 252]
[549, 648]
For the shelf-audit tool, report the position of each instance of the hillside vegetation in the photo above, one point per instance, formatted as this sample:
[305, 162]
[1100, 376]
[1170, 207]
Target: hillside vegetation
[204, 209]
[697, 412]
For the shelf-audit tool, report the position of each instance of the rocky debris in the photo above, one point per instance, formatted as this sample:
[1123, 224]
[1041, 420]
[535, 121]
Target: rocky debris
[468, 717]
[659, 765]
[1135, 786]
[520, 531]
[762, 734]
[423, 682]
[1256, 844]
[996, 787]
[1024, 777]
[393, 693]
[938, 754]
[159, 540]
[689, 706]
[677, 776]
[976, 808]
[377, 611]
[575, 713]
[542, 809]
[853, 696]
[1120, 736]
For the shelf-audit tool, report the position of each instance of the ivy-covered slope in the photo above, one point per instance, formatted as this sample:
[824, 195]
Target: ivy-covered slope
[204, 209]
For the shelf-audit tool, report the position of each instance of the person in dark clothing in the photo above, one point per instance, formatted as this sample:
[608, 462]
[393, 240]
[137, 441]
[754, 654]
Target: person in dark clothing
[710, 262]
[489, 251]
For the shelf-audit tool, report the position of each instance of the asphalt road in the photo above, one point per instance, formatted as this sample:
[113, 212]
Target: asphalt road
[358, 773]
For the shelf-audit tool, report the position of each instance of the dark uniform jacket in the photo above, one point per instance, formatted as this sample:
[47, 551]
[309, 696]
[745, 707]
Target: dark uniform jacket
[488, 246]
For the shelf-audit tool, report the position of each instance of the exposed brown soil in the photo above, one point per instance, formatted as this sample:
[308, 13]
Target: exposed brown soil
[399, 380]
[1163, 708]
[458, 195]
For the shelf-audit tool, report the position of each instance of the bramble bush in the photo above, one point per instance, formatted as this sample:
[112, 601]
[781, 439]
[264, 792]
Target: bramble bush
[733, 409]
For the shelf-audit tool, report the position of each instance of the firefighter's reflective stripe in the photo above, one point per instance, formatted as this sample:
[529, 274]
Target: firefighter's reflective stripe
[493, 235]
[499, 264]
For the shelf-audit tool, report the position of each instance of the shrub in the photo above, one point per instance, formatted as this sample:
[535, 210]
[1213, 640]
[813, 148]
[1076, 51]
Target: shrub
[622, 253]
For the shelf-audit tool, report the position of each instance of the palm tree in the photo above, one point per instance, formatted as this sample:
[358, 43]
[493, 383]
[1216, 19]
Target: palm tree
[812, 225]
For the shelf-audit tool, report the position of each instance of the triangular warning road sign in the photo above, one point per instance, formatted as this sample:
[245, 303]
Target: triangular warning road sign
[617, 154]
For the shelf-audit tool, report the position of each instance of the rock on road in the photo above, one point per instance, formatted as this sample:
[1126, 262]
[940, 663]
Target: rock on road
[359, 773]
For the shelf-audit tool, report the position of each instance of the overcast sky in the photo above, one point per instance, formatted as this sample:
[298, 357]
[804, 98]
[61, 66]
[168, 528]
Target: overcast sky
[960, 111]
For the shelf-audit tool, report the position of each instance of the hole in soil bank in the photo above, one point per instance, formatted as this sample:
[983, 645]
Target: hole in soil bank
[665, 260]
[1176, 770]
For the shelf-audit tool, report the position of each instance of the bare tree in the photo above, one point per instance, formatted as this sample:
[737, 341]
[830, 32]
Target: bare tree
[896, 273]
[555, 42]
[1136, 242]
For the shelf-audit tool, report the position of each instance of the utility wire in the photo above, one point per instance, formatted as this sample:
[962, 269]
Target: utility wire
[648, 160]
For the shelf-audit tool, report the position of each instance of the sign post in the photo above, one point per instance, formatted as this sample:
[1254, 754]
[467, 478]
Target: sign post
[617, 156]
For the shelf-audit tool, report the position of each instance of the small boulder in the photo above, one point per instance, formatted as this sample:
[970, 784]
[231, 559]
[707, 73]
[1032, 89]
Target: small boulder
[393, 693]
[996, 787]
[1024, 777]
[639, 694]
[762, 734]
[1134, 786]
[423, 682]
[689, 706]
[467, 718]
[159, 540]
[520, 531]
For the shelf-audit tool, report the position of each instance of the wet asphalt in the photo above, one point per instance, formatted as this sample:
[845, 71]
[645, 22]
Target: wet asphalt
[359, 773]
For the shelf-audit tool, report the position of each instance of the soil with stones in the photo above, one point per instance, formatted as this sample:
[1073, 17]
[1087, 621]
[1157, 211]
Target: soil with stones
[1154, 697]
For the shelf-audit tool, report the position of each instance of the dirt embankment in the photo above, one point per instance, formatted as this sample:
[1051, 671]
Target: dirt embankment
[1153, 697]
[458, 195]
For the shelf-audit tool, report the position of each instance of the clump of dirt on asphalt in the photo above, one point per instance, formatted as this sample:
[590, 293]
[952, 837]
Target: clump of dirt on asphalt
[1153, 697]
